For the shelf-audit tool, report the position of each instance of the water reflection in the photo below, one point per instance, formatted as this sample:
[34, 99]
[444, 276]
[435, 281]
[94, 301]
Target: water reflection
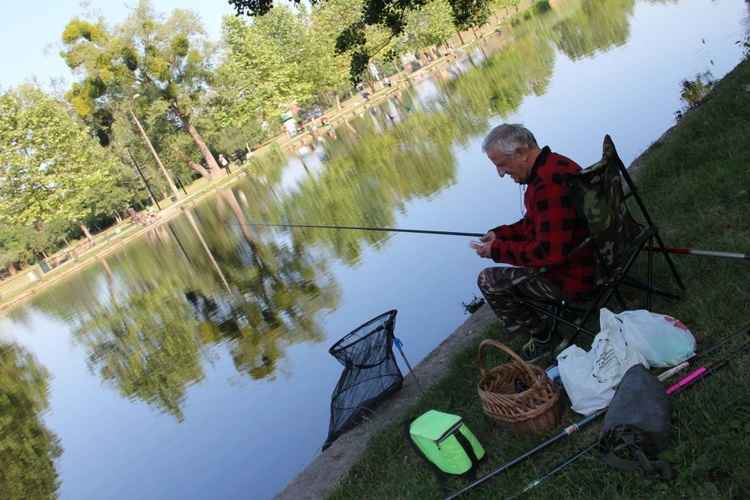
[598, 26]
[28, 449]
[209, 297]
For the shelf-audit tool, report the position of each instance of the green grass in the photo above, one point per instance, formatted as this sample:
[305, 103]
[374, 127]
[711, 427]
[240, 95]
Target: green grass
[696, 186]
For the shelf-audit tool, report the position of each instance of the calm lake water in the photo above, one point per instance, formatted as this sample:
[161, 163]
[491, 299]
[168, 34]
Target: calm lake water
[194, 363]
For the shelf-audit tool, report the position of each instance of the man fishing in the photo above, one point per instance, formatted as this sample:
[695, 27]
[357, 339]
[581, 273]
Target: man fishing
[544, 238]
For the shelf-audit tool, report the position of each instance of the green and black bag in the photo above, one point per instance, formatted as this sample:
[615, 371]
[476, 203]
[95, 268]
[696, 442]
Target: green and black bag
[636, 426]
[445, 443]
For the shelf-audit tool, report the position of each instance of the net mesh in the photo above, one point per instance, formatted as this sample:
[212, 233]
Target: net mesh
[370, 373]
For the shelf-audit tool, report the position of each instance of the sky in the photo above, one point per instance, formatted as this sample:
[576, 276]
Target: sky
[31, 29]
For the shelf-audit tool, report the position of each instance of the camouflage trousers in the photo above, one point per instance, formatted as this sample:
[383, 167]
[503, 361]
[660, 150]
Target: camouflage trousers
[500, 292]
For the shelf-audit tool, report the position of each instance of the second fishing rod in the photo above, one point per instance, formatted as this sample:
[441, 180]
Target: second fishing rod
[684, 383]
[573, 428]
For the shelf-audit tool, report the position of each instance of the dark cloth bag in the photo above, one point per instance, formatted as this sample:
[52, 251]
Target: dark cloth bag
[636, 425]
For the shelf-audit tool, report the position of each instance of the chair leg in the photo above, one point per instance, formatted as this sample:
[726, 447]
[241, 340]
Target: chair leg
[559, 319]
[649, 274]
[670, 262]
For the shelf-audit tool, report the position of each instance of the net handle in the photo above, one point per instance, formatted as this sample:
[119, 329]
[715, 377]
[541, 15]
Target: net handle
[516, 358]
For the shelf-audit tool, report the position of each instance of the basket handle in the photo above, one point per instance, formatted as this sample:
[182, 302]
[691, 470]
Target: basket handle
[508, 350]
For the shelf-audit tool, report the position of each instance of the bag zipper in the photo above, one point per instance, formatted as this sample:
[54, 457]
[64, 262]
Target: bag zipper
[449, 432]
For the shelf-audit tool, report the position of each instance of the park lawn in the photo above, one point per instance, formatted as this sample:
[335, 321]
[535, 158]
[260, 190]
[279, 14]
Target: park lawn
[696, 186]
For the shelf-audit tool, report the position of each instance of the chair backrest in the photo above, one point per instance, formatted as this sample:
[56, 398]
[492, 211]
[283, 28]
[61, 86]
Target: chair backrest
[598, 195]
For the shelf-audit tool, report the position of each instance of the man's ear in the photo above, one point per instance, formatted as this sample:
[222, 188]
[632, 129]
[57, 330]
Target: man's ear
[523, 153]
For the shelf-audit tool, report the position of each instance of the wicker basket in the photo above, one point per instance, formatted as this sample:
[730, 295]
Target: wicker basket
[534, 409]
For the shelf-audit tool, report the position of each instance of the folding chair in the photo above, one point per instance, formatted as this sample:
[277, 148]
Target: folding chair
[617, 238]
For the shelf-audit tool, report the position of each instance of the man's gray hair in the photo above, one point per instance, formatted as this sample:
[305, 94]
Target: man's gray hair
[508, 137]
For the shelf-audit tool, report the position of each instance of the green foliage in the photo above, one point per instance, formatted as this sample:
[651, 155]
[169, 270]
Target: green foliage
[468, 13]
[261, 76]
[78, 29]
[430, 26]
[180, 45]
[28, 449]
[53, 167]
[13, 245]
[258, 7]
[387, 17]
[45, 239]
[168, 61]
[693, 91]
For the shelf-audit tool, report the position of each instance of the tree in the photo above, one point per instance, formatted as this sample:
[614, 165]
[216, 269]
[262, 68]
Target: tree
[50, 167]
[331, 71]
[430, 26]
[387, 14]
[13, 249]
[266, 67]
[165, 63]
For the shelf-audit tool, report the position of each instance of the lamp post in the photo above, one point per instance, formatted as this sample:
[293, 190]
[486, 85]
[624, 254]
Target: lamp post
[148, 186]
[153, 152]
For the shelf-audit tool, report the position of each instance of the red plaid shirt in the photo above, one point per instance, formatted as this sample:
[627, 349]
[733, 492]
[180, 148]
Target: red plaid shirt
[550, 230]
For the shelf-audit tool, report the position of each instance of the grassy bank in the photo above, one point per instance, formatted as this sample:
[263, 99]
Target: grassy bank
[696, 185]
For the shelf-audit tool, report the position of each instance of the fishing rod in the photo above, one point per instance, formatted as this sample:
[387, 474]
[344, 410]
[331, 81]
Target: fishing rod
[362, 228]
[682, 251]
[679, 386]
[590, 418]
[708, 253]
[704, 371]
[575, 427]
[709, 350]
[536, 482]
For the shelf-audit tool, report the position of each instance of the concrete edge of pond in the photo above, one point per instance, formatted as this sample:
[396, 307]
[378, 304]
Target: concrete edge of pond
[330, 467]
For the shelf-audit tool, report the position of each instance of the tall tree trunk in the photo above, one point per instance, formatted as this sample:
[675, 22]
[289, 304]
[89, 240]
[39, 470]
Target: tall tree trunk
[199, 168]
[213, 166]
[85, 231]
[192, 165]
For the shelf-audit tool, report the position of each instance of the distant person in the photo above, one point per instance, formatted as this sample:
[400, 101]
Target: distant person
[331, 131]
[223, 161]
[544, 237]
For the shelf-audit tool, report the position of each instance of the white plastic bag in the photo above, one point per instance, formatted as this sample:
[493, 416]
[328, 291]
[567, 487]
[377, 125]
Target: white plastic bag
[590, 378]
[663, 340]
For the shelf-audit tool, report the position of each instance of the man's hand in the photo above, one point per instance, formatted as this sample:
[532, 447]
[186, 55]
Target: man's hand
[488, 237]
[483, 247]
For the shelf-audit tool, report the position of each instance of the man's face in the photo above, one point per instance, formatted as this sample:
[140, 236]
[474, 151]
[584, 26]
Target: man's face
[516, 165]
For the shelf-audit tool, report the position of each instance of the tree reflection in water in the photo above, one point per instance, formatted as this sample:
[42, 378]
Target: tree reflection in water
[28, 449]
